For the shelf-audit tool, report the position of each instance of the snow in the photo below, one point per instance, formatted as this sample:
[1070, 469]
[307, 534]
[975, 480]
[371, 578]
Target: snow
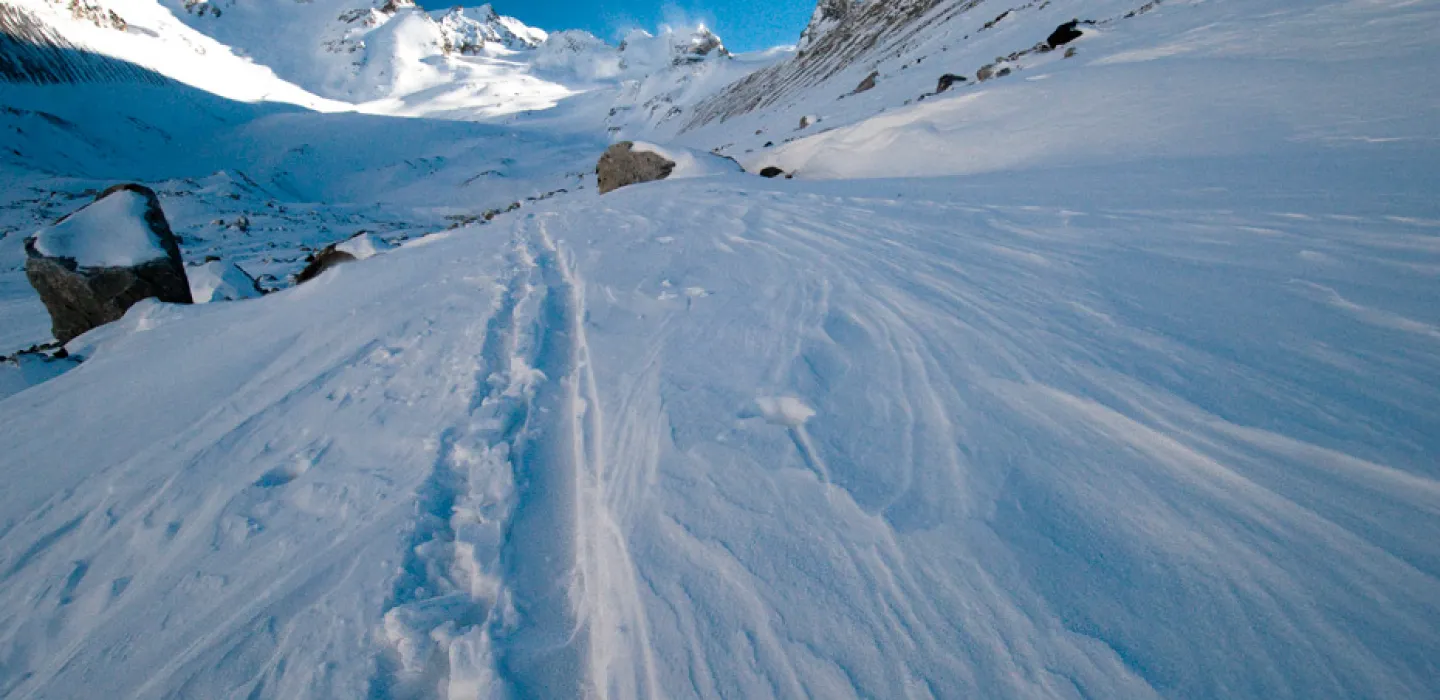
[688, 162]
[1121, 383]
[27, 370]
[219, 281]
[111, 232]
[784, 410]
[992, 372]
[363, 246]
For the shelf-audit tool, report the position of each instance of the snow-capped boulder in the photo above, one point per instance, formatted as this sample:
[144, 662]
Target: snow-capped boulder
[90, 266]
[218, 280]
[621, 165]
[633, 162]
[357, 247]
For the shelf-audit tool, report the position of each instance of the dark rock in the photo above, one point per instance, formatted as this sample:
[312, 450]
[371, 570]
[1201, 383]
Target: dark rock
[327, 258]
[804, 122]
[81, 298]
[948, 80]
[621, 166]
[867, 84]
[985, 73]
[771, 171]
[1002, 73]
[1065, 34]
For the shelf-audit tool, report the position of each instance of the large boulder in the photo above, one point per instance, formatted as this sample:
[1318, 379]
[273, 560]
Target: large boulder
[93, 265]
[621, 165]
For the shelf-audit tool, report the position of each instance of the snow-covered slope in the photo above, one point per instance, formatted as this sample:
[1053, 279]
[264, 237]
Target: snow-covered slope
[1113, 376]
[1145, 79]
[1048, 431]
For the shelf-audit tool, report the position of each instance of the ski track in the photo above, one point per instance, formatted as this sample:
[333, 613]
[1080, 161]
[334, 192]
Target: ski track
[514, 550]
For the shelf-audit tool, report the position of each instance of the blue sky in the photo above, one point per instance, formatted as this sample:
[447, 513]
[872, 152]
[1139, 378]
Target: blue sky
[745, 25]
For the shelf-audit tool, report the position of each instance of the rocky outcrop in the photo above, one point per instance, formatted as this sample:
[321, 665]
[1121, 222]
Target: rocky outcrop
[621, 166]
[771, 172]
[466, 30]
[703, 43]
[867, 84]
[1064, 34]
[317, 263]
[828, 15]
[840, 35]
[93, 265]
[947, 81]
[361, 246]
[33, 52]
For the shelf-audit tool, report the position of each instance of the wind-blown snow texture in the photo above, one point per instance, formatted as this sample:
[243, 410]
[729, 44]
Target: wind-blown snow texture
[1077, 383]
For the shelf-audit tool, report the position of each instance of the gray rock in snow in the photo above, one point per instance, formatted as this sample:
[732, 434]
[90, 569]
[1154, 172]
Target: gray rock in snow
[867, 84]
[948, 80]
[80, 298]
[327, 258]
[621, 166]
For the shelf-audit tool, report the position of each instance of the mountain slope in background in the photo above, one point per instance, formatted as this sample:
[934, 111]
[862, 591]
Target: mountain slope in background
[1111, 375]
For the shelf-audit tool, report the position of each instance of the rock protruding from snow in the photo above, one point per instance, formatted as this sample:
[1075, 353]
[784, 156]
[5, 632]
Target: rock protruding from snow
[633, 162]
[357, 247]
[621, 165]
[33, 52]
[93, 265]
[466, 30]
[218, 280]
[828, 15]
[1064, 34]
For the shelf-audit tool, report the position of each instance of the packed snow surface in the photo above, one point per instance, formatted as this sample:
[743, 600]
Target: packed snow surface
[1114, 377]
[112, 232]
[1040, 414]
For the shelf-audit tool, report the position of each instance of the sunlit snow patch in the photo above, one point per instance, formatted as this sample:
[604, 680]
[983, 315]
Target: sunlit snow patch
[219, 281]
[109, 233]
[784, 410]
[364, 245]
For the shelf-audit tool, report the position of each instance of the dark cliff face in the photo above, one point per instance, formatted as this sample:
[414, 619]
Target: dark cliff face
[840, 33]
[32, 52]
